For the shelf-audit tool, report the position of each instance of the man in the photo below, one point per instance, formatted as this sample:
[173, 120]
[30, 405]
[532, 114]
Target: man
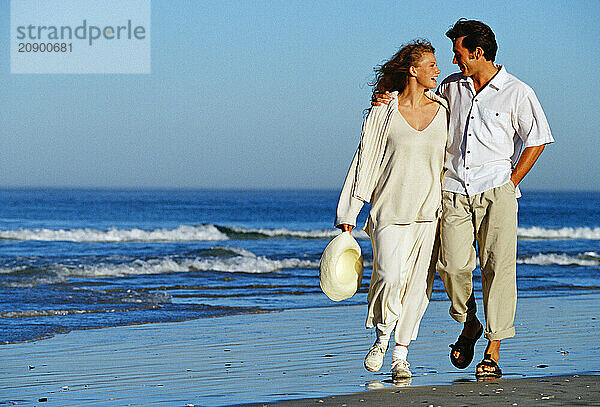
[493, 115]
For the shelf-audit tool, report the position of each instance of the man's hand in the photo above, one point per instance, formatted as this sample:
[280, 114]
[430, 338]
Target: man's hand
[381, 98]
[528, 157]
[345, 227]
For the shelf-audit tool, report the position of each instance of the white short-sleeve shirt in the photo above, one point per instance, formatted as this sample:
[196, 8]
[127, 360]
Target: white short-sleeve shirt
[488, 130]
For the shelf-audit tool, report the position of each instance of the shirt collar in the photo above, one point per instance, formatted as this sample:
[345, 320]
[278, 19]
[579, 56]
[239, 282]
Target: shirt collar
[496, 82]
[499, 79]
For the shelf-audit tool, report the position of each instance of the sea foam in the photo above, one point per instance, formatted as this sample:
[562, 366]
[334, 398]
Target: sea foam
[210, 232]
[237, 261]
[567, 233]
[587, 259]
[181, 233]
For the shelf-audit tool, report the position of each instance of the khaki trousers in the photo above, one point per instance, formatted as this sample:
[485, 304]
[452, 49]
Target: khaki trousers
[490, 219]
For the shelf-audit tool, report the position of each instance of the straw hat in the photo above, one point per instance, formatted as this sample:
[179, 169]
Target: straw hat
[341, 267]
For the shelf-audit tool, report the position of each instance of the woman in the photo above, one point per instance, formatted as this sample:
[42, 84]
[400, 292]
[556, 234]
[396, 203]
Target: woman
[397, 168]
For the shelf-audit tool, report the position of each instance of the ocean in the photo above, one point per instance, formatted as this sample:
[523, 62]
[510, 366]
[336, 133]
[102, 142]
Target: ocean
[91, 258]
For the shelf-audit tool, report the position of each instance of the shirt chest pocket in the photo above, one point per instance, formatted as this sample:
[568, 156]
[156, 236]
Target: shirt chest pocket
[496, 126]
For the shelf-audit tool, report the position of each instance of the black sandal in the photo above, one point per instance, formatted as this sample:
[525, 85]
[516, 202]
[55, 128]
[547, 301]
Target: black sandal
[466, 348]
[488, 362]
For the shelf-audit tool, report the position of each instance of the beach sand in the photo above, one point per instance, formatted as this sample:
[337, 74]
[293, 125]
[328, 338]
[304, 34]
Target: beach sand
[572, 390]
[303, 354]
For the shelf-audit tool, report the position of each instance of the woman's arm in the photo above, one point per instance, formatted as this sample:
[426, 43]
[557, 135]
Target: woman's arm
[348, 206]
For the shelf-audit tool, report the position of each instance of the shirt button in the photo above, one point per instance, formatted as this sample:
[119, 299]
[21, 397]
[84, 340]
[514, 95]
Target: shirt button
[468, 184]
[476, 100]
[467, 168]
[468, 151]
[472, 117]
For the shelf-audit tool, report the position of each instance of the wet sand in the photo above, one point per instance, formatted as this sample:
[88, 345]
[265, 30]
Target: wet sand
[572, 390]
[306, 353]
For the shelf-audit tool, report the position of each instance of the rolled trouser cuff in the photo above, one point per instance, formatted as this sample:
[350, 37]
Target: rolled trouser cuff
[463, 317]
[500, 335]
[469, 315]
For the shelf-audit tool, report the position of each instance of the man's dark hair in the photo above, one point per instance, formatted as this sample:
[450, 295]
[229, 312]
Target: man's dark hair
[477, 34]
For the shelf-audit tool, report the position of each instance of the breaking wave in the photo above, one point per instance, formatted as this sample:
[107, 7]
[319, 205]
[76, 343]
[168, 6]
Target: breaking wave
[179, 234]
[210, 232]
[220, 258]
[539, 233]
[236, 264]
[248, 233]
[588, 259]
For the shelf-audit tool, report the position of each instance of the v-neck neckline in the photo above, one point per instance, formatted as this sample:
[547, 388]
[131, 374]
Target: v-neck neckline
[428, 124]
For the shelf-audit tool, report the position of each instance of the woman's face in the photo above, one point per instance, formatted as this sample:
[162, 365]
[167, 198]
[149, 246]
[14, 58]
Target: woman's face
[427, 71]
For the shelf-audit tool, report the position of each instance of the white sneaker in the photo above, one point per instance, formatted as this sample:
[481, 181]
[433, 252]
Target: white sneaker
[374, 359]
[400, 369]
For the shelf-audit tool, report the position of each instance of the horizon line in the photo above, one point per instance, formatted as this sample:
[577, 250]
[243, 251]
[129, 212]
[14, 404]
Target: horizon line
[213, 188]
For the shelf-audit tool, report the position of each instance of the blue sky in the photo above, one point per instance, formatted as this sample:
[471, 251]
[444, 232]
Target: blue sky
[270, 94]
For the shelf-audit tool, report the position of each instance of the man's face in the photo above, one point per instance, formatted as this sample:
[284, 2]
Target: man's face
[463, 58]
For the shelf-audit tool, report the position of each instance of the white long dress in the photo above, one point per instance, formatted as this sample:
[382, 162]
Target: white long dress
[405, 205]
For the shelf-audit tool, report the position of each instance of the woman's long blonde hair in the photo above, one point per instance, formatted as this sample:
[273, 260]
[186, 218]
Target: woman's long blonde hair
[393, 74]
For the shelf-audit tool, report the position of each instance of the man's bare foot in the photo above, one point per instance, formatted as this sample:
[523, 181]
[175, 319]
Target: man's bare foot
[492, 352]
